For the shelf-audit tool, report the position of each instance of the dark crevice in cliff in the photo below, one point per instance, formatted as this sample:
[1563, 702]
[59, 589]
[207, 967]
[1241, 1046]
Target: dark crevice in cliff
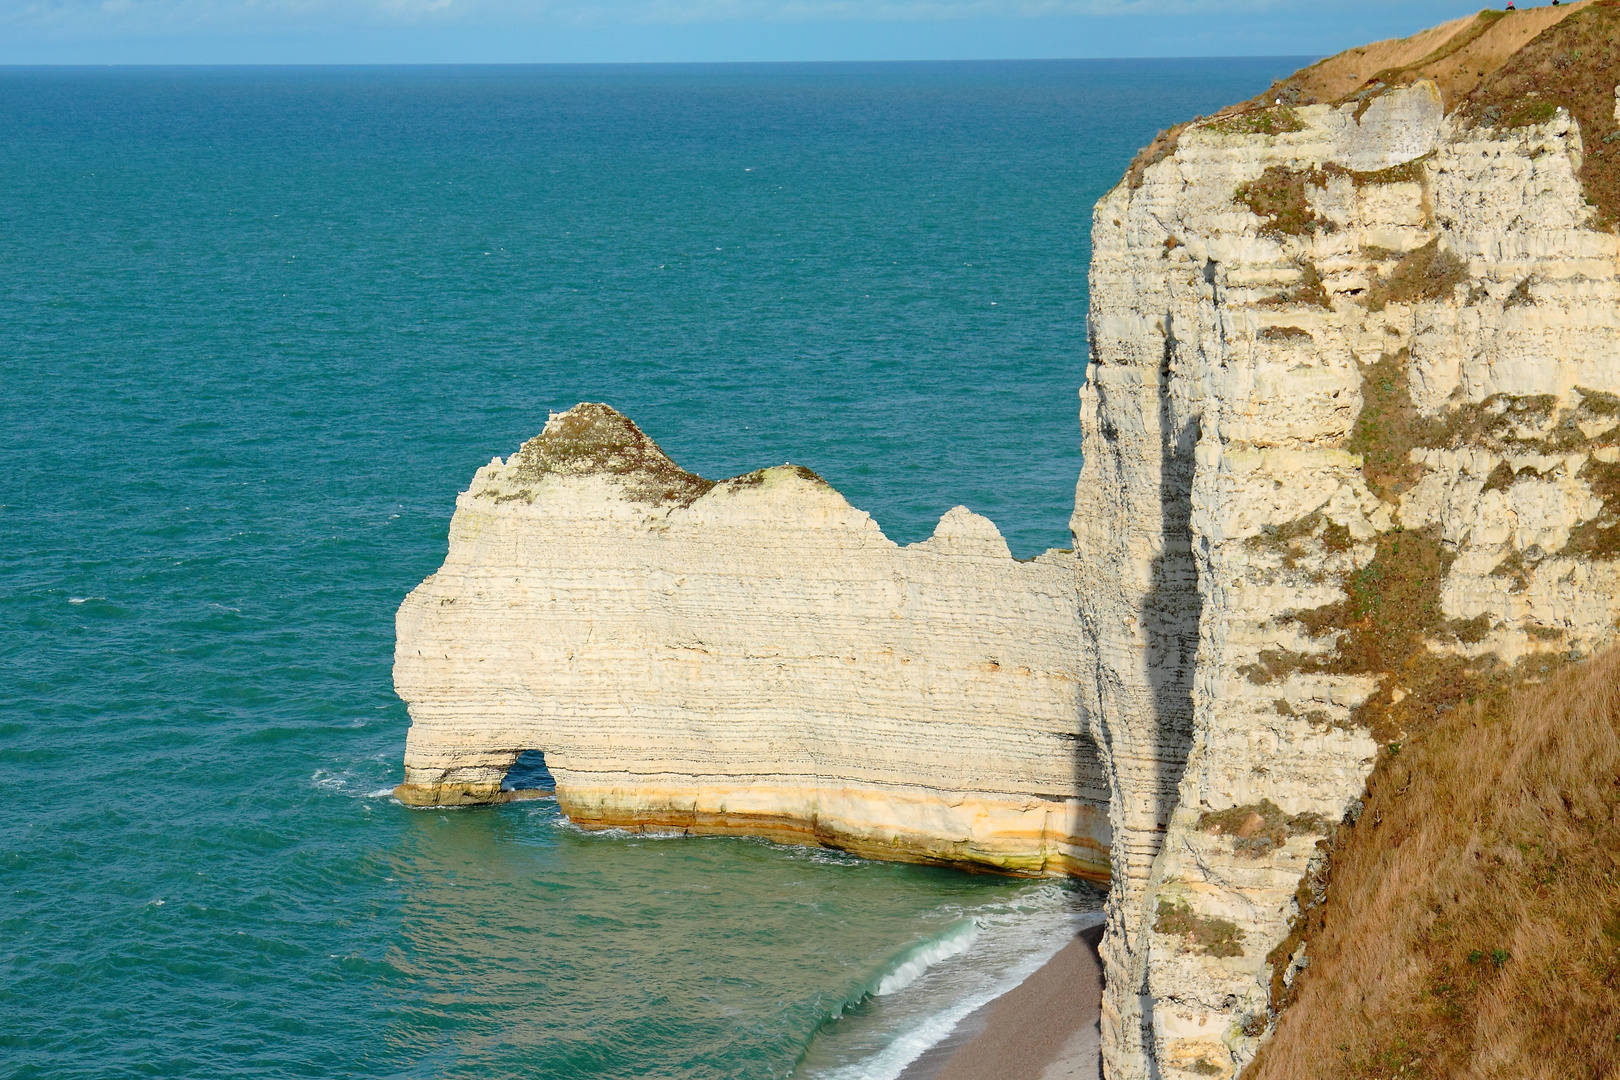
[1172, 608]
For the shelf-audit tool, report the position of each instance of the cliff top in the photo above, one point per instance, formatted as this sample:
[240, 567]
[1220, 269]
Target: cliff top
[1457, 56]
[1502, 69]
[592, 438]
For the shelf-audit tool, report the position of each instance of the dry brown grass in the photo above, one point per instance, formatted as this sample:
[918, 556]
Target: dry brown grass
[1494, 55]
[1279, 196]
[1425, 273]
[1456, 55]
[1278, 120]
[1387, 427]
[1574, 64]
[1163, 145]
[1258, 828]
[1390, 604]
[1600, 537]
[1308, 291]
[1202, 934]
[1467, 922]
[1471, 920]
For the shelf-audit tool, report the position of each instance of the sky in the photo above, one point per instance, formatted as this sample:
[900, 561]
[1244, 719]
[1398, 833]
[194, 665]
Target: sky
[618, 31]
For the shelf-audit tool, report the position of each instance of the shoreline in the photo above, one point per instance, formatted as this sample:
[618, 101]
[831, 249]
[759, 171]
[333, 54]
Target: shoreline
[1045, 1028]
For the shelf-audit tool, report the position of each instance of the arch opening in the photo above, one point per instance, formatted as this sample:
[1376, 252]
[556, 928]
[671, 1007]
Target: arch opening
[528, 777]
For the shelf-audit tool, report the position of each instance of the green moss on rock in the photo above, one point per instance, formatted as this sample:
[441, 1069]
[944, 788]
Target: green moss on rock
[1202, 934]
[592, 438]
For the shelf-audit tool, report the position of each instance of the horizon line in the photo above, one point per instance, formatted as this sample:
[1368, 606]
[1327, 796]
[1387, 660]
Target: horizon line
[654, 63]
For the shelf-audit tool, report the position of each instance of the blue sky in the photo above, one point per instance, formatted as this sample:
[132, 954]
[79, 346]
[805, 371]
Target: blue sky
[548, 31]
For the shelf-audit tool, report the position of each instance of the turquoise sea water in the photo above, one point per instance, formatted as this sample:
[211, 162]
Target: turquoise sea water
[258, 327]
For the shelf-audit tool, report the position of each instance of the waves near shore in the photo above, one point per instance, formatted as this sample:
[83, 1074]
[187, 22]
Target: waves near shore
[918, 997]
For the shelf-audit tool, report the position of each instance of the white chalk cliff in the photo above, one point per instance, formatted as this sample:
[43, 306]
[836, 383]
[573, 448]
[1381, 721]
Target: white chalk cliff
[1351, 434]
[1332, 344]
[752, 656]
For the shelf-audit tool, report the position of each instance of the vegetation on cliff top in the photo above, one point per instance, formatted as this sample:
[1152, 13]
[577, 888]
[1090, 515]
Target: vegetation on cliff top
[1469, 919]
[1456, 56]
[1574, 64]
[594, 438]
[1506, 69]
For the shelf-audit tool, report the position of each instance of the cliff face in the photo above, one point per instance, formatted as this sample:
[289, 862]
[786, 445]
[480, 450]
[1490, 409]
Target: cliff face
[751, 656]
[1352, 461]
[1351, 439]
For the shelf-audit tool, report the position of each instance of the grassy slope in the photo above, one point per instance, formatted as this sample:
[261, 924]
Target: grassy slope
[1472, 919]
[1468, 922]
[1574, 64]
[1457, 55]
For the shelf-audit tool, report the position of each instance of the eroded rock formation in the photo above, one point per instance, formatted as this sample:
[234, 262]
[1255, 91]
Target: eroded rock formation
[1352, 454]
[1350, 433]
[752, 656]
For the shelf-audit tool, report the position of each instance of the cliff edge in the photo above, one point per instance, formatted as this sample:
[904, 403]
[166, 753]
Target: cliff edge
[1352, 461]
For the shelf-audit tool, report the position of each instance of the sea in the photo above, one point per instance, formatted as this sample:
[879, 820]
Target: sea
[258, 326]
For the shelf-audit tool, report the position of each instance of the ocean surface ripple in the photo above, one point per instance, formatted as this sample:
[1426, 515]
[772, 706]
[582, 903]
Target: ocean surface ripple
[258, 327]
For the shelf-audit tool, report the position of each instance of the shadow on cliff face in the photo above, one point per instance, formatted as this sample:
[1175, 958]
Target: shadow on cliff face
[1170, 613]
[1168, 617]
[1090, 785]
[1172, 607]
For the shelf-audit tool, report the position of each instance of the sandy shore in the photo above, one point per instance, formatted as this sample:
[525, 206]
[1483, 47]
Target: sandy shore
[1045, 1028]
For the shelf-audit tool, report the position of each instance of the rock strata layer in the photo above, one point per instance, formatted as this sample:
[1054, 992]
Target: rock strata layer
[1351, 434]
[749, 657]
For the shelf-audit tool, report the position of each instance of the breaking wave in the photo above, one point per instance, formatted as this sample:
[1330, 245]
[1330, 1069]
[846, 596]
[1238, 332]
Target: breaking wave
[920, 995]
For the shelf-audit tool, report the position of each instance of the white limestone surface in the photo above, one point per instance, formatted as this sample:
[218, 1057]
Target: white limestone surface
[752, 656]
[1221, 496]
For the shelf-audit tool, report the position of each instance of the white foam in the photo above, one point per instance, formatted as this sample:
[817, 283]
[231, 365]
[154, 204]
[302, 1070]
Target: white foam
[1009, 942]
[616, 833]
[955, 943]
[891, 1061]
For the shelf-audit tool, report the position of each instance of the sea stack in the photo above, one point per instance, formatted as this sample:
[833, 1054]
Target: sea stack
[749, 657]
